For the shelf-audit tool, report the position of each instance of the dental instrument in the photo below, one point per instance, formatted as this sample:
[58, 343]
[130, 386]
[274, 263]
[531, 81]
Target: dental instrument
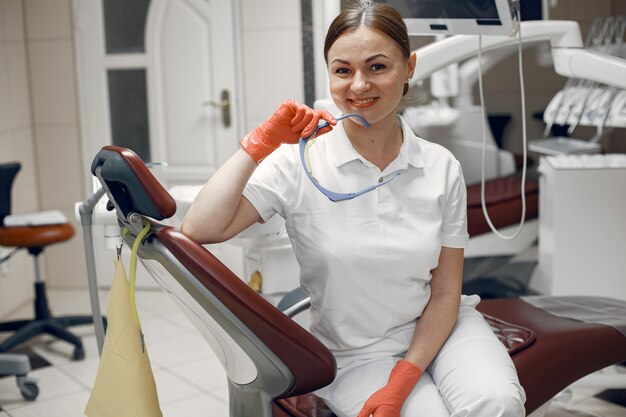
[570, 84]
[305, 144]
[583, 102]
[493, 228]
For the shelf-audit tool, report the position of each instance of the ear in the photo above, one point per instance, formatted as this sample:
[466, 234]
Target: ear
[411, 65]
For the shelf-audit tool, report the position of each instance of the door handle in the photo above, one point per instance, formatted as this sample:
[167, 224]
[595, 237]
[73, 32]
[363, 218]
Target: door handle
[223, 105]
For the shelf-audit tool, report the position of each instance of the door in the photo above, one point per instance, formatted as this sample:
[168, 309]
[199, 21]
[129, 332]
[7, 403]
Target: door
[192, 85]
[160, 77]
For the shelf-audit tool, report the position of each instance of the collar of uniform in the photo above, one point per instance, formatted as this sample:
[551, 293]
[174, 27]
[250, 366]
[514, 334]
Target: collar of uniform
[410, 151]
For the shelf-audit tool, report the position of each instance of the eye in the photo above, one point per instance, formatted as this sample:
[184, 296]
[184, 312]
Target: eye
[378, 67]
[342, 70]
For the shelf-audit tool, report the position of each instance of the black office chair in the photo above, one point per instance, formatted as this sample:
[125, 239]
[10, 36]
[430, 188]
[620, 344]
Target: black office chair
[34, 239]
[18, 364]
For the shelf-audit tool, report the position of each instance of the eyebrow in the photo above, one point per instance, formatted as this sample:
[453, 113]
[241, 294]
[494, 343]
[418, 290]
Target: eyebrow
[371, 58]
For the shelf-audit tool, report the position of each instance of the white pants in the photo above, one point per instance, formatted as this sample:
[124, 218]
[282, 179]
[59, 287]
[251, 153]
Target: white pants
[473, 375]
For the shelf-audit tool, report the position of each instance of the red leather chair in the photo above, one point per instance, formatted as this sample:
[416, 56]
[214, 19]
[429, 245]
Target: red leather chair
[273, 364]
[502, 197]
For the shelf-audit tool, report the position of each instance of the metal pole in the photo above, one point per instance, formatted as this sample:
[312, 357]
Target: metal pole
[86, 212]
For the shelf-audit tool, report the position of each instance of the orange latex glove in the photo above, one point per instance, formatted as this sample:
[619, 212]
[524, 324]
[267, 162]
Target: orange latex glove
[387, 401]
[291, 121]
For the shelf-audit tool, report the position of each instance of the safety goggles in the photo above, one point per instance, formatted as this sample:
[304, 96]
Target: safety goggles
[305, 144]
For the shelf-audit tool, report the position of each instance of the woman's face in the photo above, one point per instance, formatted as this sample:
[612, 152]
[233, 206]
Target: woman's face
[367, 74]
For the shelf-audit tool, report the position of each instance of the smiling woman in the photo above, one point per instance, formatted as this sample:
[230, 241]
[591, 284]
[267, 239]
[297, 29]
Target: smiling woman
[368, 71]
[368, 74]
[405, 326]
[365, 67]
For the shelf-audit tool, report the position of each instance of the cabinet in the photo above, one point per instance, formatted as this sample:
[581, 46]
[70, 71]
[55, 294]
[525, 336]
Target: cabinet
[582, 226]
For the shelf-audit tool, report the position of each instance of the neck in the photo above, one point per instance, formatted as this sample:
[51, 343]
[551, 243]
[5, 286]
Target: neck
[379, 144]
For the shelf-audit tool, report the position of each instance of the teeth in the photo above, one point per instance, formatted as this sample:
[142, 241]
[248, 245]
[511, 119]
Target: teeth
[363, 101]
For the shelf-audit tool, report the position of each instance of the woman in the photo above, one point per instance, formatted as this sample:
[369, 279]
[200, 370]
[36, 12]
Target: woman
[384, 269]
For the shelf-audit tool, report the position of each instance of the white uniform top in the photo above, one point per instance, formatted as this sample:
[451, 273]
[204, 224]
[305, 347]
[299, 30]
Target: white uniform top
[365, 262]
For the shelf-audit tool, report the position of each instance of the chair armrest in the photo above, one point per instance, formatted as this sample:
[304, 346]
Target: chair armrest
[296, 301]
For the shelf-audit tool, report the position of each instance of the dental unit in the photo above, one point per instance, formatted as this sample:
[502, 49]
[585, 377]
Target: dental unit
[273, 365]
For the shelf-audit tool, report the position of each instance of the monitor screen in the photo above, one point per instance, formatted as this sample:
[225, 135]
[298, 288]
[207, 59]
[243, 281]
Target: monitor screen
[453, 17]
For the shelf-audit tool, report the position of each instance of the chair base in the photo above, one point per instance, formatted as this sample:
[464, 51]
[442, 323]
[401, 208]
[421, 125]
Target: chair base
[28, 329]
[44, 323]
[19, 365]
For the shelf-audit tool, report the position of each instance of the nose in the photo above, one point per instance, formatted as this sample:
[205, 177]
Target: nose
[360, 82]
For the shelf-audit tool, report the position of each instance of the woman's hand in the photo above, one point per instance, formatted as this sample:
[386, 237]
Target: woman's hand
[289, 123]
[387, 401]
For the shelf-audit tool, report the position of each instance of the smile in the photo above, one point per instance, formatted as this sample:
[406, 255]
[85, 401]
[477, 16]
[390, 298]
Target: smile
[363, 102]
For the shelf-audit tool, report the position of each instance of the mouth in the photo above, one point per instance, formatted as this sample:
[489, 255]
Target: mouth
[361, 103]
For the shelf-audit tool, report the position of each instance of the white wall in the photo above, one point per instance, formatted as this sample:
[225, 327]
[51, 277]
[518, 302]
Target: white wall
[16, 144]
[272, 56]
[39, 128]
[49, 33]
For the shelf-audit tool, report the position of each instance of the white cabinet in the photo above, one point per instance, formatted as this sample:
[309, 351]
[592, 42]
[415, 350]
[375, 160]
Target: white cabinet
[582, 226]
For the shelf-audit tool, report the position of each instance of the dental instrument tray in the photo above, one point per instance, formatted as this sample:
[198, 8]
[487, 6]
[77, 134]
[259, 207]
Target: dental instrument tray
[563, 146]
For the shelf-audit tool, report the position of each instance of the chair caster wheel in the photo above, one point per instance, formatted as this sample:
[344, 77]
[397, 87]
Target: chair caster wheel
[79, 354]
[29, 390]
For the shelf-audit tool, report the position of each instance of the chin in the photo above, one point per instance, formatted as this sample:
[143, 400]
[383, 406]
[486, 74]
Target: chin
[376, 115]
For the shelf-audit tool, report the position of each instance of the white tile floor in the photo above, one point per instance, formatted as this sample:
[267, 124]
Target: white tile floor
[190, 380]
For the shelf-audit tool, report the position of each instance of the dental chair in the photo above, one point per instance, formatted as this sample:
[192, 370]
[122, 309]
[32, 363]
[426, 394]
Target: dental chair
[503, 201]
[504, 205]
[273, 365]
[34, 238]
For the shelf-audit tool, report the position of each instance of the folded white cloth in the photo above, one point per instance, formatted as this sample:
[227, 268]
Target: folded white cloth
[35, 219]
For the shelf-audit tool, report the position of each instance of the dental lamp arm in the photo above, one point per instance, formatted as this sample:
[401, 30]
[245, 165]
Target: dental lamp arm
[570, 59]
[469, 72]
[590, 65]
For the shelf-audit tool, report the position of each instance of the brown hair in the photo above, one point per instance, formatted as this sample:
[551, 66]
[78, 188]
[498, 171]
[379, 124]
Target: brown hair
[381, 17]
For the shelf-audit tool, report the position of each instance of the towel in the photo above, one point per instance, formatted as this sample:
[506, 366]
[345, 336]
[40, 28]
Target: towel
[35, 219]
[124, 384]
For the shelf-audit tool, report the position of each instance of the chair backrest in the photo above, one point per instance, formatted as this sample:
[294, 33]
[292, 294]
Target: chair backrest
[266, 355]
[8, 171]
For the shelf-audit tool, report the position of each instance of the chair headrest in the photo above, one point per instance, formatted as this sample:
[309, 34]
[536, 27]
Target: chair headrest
[130, 185]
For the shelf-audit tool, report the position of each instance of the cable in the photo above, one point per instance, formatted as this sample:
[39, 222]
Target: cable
[484, 121]
[133, 272]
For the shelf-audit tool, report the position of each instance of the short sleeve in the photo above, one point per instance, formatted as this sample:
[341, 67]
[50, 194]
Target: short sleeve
[454, 224]
[273, 187]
